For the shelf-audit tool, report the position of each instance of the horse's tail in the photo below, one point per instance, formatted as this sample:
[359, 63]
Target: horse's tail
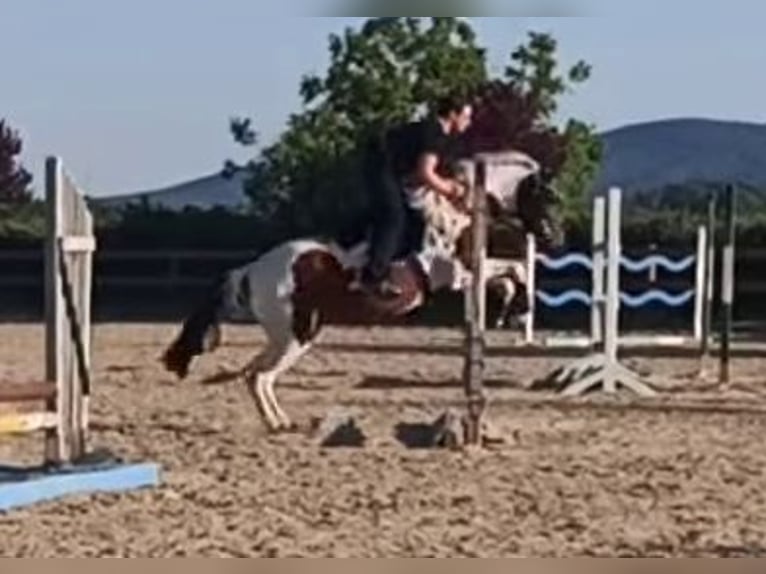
[201, 332]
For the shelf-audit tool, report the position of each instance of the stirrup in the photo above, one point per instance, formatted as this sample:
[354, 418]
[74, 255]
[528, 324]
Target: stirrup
[385, 289]
[388, 288]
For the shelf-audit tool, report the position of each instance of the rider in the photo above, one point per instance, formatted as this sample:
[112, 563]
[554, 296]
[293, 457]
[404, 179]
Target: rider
[409, 156]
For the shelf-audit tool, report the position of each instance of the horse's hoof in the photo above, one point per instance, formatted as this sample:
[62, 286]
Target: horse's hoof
[290, 428]
[284, 429]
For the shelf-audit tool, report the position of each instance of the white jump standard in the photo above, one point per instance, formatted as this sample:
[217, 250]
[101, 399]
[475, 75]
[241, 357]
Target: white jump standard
[602, 368]
[68, 468]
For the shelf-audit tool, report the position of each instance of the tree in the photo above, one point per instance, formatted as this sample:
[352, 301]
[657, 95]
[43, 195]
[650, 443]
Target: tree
[388, 71]
[505, 118]
[534, 72]
[583, 153]
[382, 73]
[14, 179]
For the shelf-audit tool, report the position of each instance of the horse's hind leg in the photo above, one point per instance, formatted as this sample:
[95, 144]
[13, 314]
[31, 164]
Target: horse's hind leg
[289, 354]
[264, 370]
[252, 375]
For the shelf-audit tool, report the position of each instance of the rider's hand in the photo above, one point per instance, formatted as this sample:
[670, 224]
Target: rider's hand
[457, 191]
[458, 195]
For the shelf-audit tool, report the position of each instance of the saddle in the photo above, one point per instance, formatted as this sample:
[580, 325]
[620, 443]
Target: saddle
[411, 279]
[410, 272]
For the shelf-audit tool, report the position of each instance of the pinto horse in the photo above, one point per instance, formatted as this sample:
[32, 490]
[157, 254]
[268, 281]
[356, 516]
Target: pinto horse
[300, 285]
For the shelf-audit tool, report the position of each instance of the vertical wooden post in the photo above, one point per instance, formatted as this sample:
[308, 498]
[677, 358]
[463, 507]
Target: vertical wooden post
[599, 266]
[77, 247]
[473, 372]
[56, 440]
[68, 276]
[727, 282]
[709, 287]
[612, 304]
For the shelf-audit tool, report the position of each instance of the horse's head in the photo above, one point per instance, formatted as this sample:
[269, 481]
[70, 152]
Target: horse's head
[537, 203]
[515, 185]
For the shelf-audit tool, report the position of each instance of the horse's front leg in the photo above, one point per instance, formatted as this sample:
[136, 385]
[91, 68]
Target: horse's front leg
[506, 291]
[511, 282]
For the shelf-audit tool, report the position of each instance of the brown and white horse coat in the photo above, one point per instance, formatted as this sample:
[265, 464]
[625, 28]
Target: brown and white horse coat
[300, 285]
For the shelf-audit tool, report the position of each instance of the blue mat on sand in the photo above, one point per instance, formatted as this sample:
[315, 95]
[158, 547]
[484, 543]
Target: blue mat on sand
[99, 474]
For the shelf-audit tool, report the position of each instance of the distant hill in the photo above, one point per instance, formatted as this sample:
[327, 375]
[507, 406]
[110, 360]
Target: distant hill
[203, 193]
[642, 157]
[654, 155]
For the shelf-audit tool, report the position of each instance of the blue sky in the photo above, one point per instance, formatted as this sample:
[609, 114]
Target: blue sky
[136, 95]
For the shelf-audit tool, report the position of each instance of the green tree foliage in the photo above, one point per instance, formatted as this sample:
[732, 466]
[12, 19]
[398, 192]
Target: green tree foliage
[583, 153]
[671, 215]
[505, 118]
[378, 74]
[21, 218]
[535, 72]
[387, 71]
[14, 179]
[22, 225]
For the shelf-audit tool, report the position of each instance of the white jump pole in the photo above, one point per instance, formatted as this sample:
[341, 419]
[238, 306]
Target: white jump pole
[598, 270]
[529, 324]
[602, 367]
[699, 284]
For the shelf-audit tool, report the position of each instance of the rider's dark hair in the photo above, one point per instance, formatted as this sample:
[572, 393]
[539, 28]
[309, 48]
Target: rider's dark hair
[453, 102]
